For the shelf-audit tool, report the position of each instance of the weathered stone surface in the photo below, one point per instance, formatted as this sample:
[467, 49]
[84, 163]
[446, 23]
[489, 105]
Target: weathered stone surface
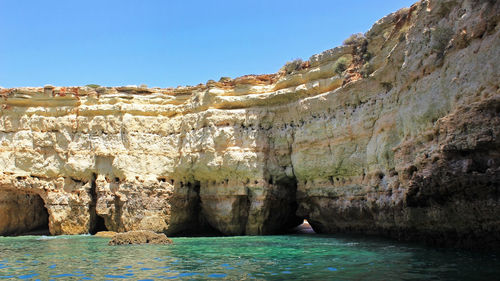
[139, 237]
[404, 142]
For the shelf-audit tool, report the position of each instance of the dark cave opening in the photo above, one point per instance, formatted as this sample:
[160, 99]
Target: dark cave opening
[199, 227]
[23, 213]
[99, 225]
[283, 216]
[40, 217]
[96, 222]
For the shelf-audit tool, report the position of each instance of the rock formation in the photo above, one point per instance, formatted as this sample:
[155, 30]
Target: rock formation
[397, 132]
[139, 237]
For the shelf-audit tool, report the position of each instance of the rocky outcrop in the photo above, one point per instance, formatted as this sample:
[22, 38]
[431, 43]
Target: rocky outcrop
[395, 132]
[139, 237]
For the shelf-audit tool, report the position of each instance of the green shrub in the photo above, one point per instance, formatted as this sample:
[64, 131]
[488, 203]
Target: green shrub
[367, 56]
[355, 39]
[402, 37]
[366, 70]
[292, 66]
[93, 86]
[387, 86]
[340, 65]
[440, 37]
[100, 90]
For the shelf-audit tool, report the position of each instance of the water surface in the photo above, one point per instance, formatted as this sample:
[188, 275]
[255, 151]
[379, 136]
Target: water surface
[285, 257]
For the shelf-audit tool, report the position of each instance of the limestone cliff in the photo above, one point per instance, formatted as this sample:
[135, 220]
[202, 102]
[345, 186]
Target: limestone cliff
[397, 132]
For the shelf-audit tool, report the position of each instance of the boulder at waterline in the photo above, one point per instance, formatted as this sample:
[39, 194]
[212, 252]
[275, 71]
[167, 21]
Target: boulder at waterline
[139, 237]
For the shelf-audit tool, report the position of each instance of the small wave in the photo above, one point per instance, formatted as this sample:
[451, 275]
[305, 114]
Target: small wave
[49, 237]
[46, 237]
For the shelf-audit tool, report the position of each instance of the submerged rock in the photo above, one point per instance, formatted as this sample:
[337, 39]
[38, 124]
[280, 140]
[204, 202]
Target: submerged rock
[139, 237]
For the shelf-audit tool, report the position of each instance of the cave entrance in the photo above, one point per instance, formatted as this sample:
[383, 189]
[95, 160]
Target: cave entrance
[99, 225]
[196, 224]
[23, 213]
[304, 228]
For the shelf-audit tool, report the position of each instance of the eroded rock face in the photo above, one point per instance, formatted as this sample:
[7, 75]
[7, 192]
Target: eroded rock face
[403, 142]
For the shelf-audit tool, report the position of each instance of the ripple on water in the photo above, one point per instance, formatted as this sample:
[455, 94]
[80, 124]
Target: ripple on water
[190, 274]
[27, 276]
[62, 275]
[217, 275]
[116, 276]
[47, 237]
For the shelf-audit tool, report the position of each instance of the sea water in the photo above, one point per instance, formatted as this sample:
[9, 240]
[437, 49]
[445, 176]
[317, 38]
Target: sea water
[284, 257]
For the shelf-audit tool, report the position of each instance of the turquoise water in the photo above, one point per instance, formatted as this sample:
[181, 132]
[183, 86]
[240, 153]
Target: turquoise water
[286, 257]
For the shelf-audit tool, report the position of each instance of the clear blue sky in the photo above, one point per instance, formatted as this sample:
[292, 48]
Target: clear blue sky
[169, 43]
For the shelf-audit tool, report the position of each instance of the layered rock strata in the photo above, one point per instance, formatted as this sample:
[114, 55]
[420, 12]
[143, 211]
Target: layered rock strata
[396, 132]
